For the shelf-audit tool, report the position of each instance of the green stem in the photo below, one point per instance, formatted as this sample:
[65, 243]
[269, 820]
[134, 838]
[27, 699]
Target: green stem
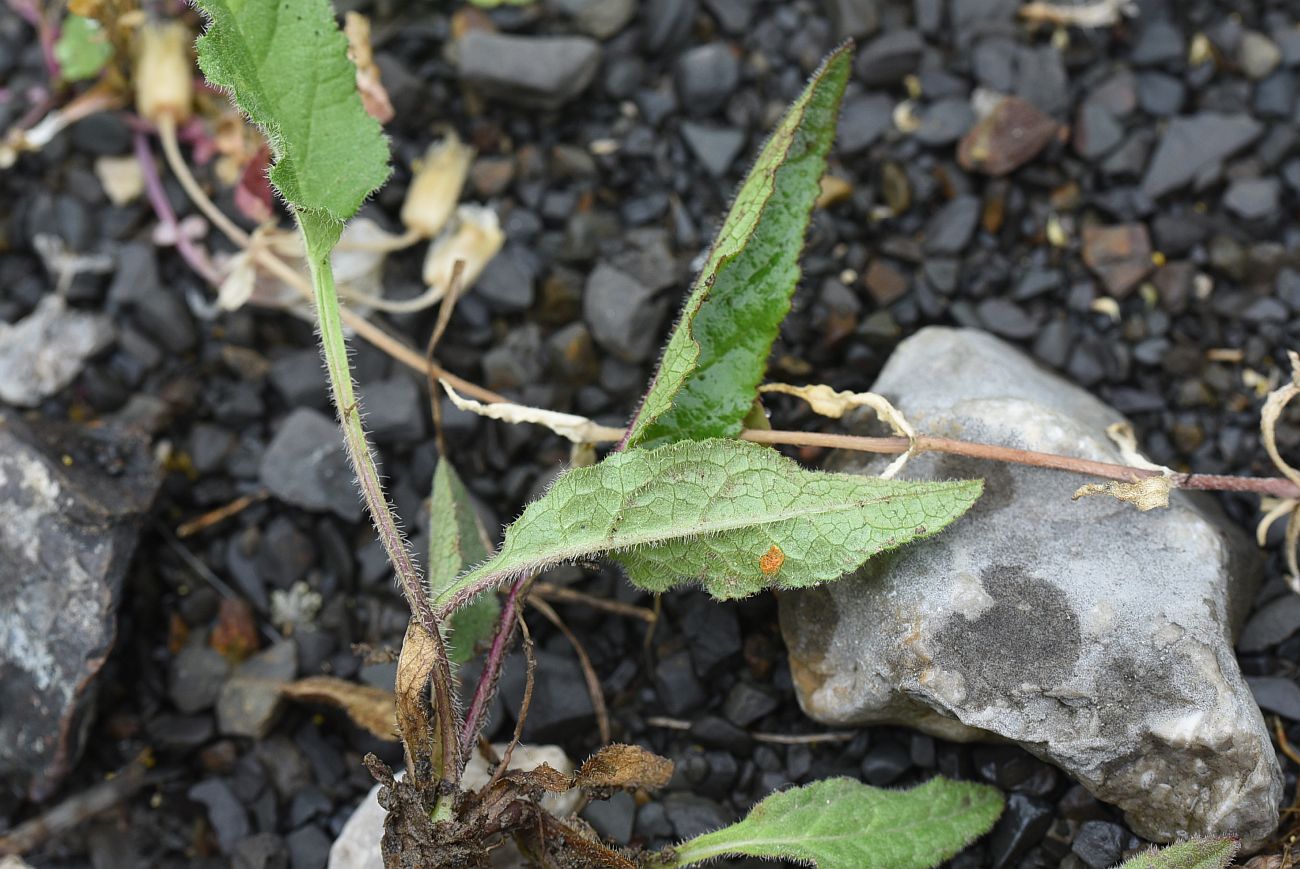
[334, 346]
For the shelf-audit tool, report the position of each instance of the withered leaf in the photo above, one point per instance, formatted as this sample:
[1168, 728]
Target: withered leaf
[624, 766]
[414, 710]
[543, 776]
[369, 708]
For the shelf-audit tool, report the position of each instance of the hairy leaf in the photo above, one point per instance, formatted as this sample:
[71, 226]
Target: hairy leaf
[82, 49]
[624, 766]
[456, 543]
[718, 352]
[841, 823]
[734, 516]
[287, 66]
[1198, 853]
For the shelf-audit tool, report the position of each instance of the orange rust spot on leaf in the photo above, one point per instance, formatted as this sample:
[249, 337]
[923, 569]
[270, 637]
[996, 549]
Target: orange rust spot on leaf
[772, 560]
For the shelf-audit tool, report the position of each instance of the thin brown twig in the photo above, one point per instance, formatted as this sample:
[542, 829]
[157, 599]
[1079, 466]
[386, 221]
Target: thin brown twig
[1284, 744]
[759, 736]
[561, 594]
[527, 701]
[220, 514]
[584, 661]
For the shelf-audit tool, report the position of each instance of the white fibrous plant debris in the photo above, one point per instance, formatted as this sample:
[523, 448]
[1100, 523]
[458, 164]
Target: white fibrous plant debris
[474, 238]
[1289, 507]
[577, 429]
[121, 178]
[436, 186]
[1148, 493]
[832, 403]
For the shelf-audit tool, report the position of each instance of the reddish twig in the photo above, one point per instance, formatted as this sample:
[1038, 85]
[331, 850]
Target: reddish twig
[1275, 486]
[196, 259]
[487, 680]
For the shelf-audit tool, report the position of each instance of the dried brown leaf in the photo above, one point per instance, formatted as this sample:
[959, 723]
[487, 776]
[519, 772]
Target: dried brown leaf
[543, 777]
[624, 766]
[374, 96]
[577, 429]
[1146, 494]
[369, 708]
[414, 710]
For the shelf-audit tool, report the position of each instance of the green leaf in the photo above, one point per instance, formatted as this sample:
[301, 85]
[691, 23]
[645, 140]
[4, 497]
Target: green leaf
[455, 544]
[840, 823]
[1198, 853]
[82, 49]
[732, 515]
[711, 368]
[286, 63]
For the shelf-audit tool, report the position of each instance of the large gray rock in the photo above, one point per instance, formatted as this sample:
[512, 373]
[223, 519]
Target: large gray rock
[71, 500]
[1094, 636]
[536, 72]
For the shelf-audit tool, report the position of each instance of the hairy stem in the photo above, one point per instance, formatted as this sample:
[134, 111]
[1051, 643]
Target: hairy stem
[367, 330]
[334, 347]
[487, 681]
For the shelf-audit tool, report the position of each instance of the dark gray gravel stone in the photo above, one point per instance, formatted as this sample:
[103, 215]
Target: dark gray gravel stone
[853, 19]
[1272, 623]
[1159, 41]
[889, 58]
[1023, 825]
[945, 121]
[305, 466]
[1160, 94]
[260, 851]
[309, 847]
[692, 815]
[623, 314]
[1194, 143]
[226, 812]
[679, 690]
[748, 702]
[716, 147]
[394, 410]
[508, 284]
[1099, 844]
[706, 76]
[1253, 198]
[885, 763]
[613, 818]
[561, 706]
[666, 23]
[863, 120]
[1005, 318]
[537, 72]
[1278, 694]
[951, 228]
[196, 676]
[250, 700]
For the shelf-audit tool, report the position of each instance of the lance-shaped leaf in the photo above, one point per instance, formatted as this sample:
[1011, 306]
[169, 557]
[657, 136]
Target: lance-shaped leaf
[841, 823]
[287, 65]
[1197, 853]
[456, 543]
[718, 352]
[734, 516]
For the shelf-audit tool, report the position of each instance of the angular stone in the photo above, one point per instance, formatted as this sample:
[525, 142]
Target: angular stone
[1006, 138]
[541, 72]
[45, 351]
[1095, 637]
[1119, 255]
[71, 500]
[1193, 144]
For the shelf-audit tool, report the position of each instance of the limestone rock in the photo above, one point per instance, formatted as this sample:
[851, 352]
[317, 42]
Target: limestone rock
[71, 500]
[1094, 636]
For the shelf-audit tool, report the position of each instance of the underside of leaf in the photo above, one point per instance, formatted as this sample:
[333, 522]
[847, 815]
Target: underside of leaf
[718, 352]
[733, 516]
[286, 62]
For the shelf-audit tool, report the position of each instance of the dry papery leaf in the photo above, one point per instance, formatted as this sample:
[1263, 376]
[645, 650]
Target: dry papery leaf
[1147, 493]
[834, 403]
[414, 711]
[1268, 416]
[577, 429]
[624, 766]
[374, 97]
[369, 708]
[1104, 13]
